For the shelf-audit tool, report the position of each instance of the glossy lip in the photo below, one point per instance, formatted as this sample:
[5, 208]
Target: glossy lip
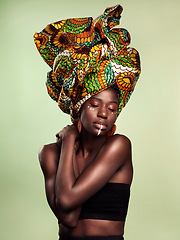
[100, 125]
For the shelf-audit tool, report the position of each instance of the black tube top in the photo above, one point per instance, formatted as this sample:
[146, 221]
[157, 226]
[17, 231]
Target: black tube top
[110, 203]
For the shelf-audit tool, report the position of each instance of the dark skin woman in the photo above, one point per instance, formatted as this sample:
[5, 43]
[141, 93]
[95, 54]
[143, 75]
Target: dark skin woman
[77, 166]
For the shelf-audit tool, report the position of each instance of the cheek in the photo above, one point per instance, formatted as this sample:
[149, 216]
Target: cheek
[90, 108]
[86, 114]
[114, 113]
[113, 116]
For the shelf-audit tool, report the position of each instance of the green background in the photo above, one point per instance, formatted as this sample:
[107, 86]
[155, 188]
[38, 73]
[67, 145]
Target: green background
[29, 118]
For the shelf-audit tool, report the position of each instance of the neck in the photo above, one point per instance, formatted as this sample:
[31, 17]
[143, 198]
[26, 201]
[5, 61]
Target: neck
[90, 143]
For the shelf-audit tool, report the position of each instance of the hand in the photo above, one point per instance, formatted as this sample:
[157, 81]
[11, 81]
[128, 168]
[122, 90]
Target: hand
[68, 131]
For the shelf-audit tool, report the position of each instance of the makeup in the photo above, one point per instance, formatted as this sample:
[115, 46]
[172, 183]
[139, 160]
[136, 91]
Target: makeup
[99, 131]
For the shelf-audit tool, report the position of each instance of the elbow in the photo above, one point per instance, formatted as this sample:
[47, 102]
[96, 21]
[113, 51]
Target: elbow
[68, 217]
[69, 221]
[64, 203]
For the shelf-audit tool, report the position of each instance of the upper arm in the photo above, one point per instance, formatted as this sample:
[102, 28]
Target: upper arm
[48, 158]
[125, 172]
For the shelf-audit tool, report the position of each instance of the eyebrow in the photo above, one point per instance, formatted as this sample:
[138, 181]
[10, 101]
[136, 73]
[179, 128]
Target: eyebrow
[101, 100]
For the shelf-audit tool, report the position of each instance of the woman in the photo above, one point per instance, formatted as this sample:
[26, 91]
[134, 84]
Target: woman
[88, 172]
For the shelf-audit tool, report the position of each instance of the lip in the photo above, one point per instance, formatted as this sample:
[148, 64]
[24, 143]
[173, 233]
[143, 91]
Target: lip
[100, 125]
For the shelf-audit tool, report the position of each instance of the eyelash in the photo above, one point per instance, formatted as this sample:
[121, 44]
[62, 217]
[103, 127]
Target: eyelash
[111, 109]
[94, 105]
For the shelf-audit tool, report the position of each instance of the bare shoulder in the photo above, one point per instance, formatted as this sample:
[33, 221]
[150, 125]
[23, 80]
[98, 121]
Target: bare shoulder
[124, 159]
[120, 142]
[47, 150]
[121, 138]
[120, 145]
[49, 157]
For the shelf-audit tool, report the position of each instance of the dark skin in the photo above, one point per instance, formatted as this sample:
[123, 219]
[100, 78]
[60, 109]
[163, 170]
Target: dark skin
[79, 165]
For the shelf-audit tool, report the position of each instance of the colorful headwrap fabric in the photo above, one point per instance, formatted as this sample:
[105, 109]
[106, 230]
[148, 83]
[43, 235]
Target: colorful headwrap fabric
[86, 57]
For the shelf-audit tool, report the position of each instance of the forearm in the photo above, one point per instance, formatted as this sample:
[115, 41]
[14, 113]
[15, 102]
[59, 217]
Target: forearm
[68, 219]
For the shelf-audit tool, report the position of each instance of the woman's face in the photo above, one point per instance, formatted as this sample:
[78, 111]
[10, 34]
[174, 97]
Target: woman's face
[99, 113]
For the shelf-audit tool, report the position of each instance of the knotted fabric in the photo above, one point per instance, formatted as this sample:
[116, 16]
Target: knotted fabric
[87, 56]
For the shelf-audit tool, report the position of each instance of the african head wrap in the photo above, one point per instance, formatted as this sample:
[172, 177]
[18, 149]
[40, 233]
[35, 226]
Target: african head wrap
[86, 57]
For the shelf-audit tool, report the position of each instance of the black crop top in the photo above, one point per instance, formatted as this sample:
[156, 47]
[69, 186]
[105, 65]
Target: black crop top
[110, 203]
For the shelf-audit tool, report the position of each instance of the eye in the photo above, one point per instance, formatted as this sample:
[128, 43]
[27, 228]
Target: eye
[112, 108]
[94, 104]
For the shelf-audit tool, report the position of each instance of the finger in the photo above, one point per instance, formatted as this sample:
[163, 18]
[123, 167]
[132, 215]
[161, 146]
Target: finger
[59, 141]
[57, 137]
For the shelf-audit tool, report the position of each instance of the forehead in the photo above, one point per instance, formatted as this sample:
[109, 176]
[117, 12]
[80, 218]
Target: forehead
[107, 95]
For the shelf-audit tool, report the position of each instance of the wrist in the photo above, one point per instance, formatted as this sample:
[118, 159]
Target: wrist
[69, 138]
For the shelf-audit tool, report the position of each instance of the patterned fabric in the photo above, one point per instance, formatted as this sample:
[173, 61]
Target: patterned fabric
[86, 57]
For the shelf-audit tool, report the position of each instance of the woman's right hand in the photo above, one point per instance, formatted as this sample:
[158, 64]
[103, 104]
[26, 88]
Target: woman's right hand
[66, 132]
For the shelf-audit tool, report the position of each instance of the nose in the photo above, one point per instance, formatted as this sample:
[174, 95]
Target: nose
[102, 113]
